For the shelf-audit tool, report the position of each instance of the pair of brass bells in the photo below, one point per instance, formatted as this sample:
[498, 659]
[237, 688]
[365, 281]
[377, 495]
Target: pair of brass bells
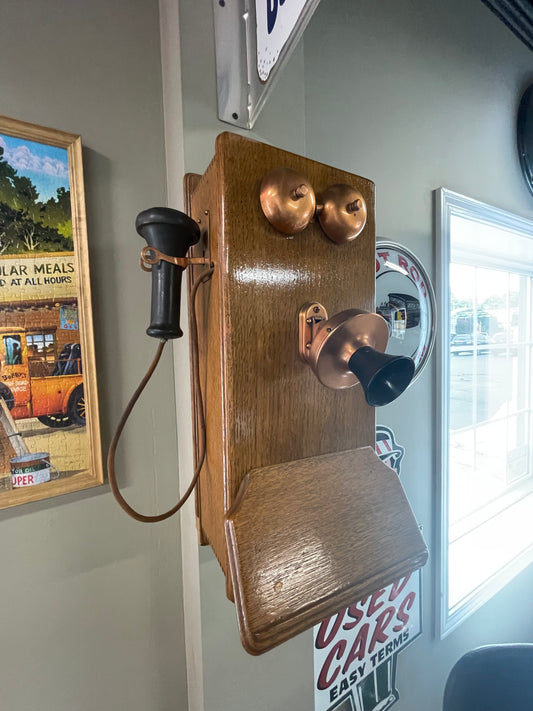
[289, 204]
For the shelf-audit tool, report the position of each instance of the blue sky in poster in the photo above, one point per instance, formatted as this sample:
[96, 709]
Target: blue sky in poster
[46, 166]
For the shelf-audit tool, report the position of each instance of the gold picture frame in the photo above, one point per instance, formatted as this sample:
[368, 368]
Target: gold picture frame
[49, 423]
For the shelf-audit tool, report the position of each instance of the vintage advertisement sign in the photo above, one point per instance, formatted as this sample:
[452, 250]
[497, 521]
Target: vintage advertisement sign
[253, 42]
[355, 651]
[48, 444]
[37, 277]
[69, 318]
[275, 21]
[387, 449]
[405, 299]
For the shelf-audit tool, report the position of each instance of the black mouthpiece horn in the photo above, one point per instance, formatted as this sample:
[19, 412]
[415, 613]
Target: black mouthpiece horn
[383, 377]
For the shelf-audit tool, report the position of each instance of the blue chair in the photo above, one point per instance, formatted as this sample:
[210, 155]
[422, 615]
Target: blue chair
[498, 677]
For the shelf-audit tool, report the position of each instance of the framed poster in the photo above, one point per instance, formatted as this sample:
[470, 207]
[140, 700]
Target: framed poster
[49, 426]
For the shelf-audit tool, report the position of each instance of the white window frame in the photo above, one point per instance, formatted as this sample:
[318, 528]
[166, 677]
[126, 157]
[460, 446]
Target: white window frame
[448, 204]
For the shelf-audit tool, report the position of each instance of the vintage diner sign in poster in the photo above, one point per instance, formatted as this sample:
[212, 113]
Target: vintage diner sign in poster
[43, 434]
[355, 651]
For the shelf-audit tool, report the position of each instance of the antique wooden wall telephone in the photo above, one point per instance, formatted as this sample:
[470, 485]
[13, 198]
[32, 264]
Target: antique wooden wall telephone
[302, 515]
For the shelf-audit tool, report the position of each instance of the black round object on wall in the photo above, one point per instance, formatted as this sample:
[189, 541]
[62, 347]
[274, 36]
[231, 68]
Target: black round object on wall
[525, 135]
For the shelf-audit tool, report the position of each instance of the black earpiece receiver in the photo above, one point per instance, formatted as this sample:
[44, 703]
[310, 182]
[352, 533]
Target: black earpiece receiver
[171, 233]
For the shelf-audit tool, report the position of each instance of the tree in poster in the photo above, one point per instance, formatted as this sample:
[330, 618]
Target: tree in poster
[28, 224]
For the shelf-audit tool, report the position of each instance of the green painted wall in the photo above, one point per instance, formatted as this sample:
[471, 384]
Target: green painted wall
[91, 600]
[414, 95]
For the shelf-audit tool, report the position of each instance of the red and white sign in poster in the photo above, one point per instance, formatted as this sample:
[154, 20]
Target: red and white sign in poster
[355, 651]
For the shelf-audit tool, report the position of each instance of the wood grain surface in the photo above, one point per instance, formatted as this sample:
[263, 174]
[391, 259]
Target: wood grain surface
[264, 405]
[307, 538]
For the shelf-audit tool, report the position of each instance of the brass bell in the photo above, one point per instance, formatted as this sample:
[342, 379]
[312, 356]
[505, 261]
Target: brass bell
[288, 200]
[342, 213]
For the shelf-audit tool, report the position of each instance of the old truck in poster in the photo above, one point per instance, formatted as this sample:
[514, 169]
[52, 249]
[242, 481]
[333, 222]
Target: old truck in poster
[35, 383]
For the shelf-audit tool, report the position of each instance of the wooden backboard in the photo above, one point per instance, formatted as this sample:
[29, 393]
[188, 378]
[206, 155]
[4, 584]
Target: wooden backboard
[264, 405]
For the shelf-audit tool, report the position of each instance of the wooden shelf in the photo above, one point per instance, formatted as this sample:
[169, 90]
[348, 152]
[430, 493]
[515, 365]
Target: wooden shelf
[309, 537]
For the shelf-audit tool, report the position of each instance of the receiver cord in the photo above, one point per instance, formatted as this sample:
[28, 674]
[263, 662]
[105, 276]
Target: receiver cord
[201, 424]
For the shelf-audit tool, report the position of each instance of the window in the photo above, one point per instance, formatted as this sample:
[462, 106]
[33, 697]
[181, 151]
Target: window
[42, 345]
[486, 401]
[12, 350]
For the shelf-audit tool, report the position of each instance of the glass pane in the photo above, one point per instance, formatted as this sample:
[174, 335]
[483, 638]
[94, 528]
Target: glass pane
[489, 382]
[492, 386]
[518, 450]
[12, 350]
[50, 350]
[478, 461]
[461, 392]
[487, 549]
[487, 418]
[462, 295]
[517, 364]
[38, 343]
[492, 294]
[517, 328]
[490, 460]
[42, 345]
[462, 485]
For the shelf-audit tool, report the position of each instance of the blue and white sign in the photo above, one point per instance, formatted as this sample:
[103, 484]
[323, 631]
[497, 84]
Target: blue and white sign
[69, 318]
[253, 42]
[275, 21]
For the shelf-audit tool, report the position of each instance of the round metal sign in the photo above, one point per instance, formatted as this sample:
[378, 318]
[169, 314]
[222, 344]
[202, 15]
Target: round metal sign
[405, 299]
[524, 133]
